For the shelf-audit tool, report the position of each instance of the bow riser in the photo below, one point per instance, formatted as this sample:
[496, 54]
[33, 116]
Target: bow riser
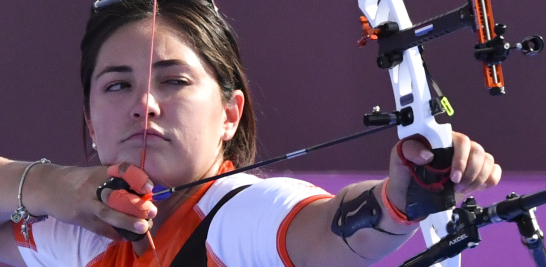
[412, 92]
[408, 78]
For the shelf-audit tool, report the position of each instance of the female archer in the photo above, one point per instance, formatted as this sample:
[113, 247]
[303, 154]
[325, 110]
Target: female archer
[197, 121]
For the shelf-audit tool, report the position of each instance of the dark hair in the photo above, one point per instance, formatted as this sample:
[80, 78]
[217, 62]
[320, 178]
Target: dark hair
[211, 36]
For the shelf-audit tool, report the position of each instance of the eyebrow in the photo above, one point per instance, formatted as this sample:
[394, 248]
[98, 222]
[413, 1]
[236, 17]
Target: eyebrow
[158, 64]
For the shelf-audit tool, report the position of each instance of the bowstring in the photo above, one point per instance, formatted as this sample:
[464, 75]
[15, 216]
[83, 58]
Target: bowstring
[148, 91]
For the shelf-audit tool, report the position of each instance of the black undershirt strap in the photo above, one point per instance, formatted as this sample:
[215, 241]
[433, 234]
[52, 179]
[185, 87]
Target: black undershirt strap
[194, 252]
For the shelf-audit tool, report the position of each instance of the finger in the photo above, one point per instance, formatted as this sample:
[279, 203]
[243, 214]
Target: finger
[416, 152]
[474, 166]
[484, 174]
[494, 177]
[137, 179]
[128, 203]
[461, 148]
[104, 229]
[120, 220]
[105, 194]
[400, 174]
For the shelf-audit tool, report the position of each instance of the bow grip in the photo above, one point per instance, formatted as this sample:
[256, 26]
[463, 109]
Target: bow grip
[115, 183]
[431, 190]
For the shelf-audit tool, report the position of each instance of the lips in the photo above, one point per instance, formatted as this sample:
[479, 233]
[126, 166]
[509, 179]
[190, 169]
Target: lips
[149, 133]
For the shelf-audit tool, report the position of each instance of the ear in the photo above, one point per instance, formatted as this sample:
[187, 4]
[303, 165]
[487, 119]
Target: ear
[233, 111]
[89, 124]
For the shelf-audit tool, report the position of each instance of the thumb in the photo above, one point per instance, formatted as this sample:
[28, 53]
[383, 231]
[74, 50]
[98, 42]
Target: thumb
[137, 179]
[416, 152]
[406, 150]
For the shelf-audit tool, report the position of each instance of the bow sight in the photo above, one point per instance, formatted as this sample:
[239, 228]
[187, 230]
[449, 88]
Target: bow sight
[491, 49]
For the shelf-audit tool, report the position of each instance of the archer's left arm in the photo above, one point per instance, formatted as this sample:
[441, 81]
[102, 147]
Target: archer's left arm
[313, 241]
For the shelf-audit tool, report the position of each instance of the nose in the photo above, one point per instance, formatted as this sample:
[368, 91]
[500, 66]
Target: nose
[146, 103]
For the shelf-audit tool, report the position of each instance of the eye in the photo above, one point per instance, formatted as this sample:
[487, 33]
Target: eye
[117, 86]
[176, 82]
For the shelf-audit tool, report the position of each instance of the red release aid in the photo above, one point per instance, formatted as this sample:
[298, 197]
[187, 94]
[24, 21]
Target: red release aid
[128, 203]
[124, 201]
[135, 177]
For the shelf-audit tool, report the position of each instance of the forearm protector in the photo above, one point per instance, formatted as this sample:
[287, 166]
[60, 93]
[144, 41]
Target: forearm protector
[361, 212]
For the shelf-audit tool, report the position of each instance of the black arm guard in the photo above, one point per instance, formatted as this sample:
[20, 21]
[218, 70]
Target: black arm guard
[361, 212]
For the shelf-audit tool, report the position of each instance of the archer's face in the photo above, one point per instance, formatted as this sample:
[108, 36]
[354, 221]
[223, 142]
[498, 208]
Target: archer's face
[187, 119]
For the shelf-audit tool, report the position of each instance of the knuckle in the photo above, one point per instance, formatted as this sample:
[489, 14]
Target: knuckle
[460, 163]
[474, 186]
[497, 175]
[489, 158]
[461, 138]
[494, 177]
[477, 149]
[495, 182]
[103, 212]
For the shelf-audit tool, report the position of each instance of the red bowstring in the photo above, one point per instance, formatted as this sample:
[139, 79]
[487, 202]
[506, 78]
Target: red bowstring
[143, 157]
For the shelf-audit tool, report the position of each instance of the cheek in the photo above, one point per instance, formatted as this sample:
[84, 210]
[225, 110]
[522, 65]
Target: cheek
[103, 117]
[211, 117]
[198, 120]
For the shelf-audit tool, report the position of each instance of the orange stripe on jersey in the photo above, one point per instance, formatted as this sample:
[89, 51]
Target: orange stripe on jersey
[20, 238]
[212, 259]
[168, 240]
[283, 228]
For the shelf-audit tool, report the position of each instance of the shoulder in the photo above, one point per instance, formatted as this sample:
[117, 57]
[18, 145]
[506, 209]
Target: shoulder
[252, 226]
[273, 198]
[220, 188]
[271, 188]
[286, 185]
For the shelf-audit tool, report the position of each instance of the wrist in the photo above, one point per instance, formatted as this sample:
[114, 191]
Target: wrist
[394, 219]
[21, 215]
[394, 212]
[37, 189]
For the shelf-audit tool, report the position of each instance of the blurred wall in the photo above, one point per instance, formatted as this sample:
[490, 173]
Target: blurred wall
[310, 82]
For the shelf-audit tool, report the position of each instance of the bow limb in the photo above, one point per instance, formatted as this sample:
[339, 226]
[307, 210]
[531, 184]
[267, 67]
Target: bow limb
[412, 94]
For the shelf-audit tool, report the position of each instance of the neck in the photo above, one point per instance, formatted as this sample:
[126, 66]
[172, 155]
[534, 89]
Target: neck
[167, 207]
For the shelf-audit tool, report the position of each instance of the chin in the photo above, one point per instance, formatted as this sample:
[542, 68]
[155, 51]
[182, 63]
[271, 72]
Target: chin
[157, 172]
[167, 179]
[129, 155]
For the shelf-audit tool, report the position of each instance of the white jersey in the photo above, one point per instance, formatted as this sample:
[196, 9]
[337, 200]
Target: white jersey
[249, 230]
